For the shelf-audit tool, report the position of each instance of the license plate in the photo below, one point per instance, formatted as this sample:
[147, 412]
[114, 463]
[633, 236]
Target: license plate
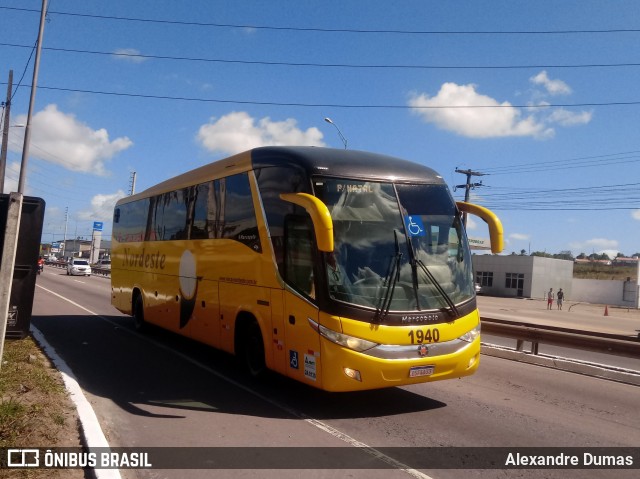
[418, 371]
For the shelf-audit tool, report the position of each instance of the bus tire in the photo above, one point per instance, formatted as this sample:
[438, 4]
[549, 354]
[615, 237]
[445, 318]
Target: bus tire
[138, 314]
[251, 350]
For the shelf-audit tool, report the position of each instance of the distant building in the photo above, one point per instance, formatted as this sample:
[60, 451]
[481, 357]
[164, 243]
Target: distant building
[622, 261]
[76, 248]
[522, 276]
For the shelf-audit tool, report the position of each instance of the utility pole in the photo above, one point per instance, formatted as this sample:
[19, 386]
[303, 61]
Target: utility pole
[5, 132]
[14, 213]
[64, 242]
[468, 186]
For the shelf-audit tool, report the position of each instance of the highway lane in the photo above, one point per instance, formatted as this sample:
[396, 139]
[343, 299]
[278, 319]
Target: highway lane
[161, 390]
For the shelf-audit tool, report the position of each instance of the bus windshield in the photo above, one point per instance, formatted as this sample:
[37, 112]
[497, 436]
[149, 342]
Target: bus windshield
[398, 247]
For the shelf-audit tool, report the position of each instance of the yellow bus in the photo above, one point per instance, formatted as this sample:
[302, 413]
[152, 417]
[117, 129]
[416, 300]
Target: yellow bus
[343, 269]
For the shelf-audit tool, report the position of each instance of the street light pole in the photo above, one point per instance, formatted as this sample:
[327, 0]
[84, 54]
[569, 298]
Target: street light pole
[344, 140]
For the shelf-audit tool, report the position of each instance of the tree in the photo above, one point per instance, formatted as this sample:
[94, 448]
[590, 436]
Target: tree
[564, 255]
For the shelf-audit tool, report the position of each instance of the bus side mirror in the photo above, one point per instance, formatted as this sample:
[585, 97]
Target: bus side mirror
[496, 232]
[320, 216]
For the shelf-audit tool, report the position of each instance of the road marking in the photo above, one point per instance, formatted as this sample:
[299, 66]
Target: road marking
[309, 420]
[91, 430]
[72, 302]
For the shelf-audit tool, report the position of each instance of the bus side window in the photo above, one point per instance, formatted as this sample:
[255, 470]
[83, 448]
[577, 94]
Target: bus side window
[298, 262]
[205, 210]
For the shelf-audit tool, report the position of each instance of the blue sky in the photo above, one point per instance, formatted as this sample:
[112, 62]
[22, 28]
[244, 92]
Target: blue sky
[541, 96]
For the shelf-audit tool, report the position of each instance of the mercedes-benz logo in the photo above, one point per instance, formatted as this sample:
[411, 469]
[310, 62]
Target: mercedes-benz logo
[423, 350]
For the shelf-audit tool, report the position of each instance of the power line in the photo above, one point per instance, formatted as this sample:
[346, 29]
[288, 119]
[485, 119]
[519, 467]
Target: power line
[335, 30]
[552, 165]
[624, 196]
[334, 105]
[328, 65]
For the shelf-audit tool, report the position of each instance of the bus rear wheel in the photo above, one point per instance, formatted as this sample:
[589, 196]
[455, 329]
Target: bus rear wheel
[138, 314]
[252, 349]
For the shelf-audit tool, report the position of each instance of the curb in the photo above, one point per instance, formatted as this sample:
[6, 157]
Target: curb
[611, 373]
[90, 429]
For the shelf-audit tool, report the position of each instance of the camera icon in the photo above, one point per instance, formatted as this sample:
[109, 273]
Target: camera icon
[23, 457]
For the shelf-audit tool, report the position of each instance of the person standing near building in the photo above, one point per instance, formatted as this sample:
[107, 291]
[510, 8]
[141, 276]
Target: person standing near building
[550, 298]
[559, 298]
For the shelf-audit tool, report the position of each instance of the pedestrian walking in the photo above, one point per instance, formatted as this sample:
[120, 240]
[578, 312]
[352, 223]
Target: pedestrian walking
[560, 298]
[550, 298]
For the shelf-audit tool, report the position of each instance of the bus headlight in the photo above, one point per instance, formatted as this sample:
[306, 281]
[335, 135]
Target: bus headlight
[470, 336]
[351, 342]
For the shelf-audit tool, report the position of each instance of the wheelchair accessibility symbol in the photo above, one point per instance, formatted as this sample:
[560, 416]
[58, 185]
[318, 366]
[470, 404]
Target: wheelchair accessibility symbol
[293, 359]
[414, 225]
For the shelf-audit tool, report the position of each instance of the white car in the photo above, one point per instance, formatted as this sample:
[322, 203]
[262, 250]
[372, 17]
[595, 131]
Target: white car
[104, 264]
[79, 267]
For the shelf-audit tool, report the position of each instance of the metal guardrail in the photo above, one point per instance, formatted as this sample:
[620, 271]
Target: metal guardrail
[101, 271]
[628, 346]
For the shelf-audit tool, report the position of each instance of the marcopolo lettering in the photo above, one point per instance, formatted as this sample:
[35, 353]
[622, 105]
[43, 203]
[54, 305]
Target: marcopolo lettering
[421, 318]
[143, 259]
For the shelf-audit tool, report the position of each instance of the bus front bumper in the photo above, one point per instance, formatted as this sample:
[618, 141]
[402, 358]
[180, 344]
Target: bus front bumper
[390, 366]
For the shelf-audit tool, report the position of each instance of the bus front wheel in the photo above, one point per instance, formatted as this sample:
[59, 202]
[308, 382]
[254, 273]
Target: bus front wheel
[252, 349]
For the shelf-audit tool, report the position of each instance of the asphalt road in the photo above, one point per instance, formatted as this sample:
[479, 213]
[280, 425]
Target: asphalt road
[162, 390]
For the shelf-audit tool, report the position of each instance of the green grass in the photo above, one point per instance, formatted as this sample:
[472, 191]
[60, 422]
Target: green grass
[34, 406]
[35, 410]
[603, 271]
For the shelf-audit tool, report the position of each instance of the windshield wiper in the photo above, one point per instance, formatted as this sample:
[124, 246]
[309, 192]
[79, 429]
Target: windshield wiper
[390, 280]
[438, 286]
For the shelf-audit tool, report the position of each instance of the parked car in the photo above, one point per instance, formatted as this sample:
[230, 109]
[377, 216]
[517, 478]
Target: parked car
[104, 264]
[78, 267]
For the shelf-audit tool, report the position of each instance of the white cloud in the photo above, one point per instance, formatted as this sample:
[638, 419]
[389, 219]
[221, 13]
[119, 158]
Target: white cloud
[599, 245]
[569, 118]
[238, 131]
[129, 55]
[502, 120]
[463, 110]
[471, 223]
[101, 207]
[60, 138]
[635, 214]
[552, 87]
[519, 237]
[12, 174]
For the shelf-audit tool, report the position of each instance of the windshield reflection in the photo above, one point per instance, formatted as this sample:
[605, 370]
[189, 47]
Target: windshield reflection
[397, 247]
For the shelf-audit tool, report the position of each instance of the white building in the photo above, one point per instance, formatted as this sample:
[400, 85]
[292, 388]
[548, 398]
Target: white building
[522, 276]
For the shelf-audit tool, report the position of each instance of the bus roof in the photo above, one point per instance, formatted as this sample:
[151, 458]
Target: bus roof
[314, 160]
[345, 163]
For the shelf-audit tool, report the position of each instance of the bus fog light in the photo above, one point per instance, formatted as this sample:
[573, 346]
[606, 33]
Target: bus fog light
[472, 361]
[353, 374]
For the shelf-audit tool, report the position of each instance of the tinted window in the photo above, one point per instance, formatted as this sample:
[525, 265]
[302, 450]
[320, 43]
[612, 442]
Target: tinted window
[206, 211]
[272, 182]
[130, 221]
[174, 216]
[239, 220]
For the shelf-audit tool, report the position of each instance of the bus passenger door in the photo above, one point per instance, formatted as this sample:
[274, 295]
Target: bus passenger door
[302, 342]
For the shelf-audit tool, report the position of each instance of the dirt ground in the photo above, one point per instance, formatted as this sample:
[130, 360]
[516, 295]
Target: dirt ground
[35, 408]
